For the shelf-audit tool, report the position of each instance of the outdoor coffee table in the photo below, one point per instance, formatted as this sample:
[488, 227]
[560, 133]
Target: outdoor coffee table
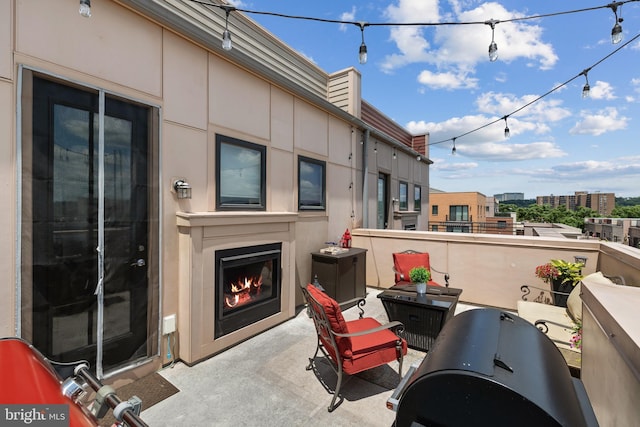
[423, 315]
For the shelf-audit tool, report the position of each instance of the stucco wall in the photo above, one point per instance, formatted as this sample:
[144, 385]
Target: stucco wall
[200, 94]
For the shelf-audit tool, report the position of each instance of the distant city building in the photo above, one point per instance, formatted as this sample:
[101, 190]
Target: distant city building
[508, 196]
[466, 212]
[621, 230]
[603, 203]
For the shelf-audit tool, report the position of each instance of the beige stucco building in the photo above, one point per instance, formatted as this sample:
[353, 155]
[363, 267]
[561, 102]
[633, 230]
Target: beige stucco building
[101, 116]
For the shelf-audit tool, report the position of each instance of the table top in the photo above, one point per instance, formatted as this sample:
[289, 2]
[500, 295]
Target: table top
[430, 299]
[431, 290]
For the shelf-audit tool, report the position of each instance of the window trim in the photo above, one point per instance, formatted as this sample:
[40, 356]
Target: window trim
[323, 201]
[262, 150]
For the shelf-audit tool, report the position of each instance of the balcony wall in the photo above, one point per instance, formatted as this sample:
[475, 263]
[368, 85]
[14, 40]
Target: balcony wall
[491, 269]
[488, 268]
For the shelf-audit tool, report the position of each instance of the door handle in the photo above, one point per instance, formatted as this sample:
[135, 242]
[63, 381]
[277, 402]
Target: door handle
[139, 263]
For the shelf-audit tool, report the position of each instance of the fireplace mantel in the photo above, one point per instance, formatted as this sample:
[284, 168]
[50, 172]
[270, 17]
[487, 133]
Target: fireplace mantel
[213, 219]
[200, 235]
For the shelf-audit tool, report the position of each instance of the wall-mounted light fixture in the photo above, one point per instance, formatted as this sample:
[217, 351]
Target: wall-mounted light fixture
[581, 259]
[182, 189]
[85, 8]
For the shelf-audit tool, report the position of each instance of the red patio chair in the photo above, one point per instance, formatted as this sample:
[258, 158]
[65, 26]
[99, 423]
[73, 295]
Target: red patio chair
[403, 262]
[351, 346]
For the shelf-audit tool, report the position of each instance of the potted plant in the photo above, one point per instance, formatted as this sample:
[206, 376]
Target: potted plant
[420, 276]
[562, 275]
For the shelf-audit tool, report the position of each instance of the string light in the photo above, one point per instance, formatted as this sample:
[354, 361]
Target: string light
[586, 88]
[375, 148]
[549, 92]
[507, 133]
[226, 35]
[616, 38]
[616, 31]
[362, 54]
[85, 8]
[453, 150]
[493, 47]
[394, 154]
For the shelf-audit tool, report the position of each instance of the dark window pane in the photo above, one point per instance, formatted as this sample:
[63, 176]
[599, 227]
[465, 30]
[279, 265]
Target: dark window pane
[311, 184]
[404, 190]
[240, 170]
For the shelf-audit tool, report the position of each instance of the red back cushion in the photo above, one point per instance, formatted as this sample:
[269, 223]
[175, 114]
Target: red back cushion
[403, 263]
[334, 315]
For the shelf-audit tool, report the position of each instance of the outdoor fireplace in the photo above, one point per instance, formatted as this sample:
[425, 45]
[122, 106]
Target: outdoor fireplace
[248, 286]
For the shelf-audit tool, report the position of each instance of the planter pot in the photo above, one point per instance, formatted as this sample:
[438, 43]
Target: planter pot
[558, 286]
[421, 288]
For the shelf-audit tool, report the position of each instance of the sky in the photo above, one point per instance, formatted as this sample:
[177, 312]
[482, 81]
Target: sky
[438, 79]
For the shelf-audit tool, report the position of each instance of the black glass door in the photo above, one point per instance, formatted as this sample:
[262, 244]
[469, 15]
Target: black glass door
[90, 222]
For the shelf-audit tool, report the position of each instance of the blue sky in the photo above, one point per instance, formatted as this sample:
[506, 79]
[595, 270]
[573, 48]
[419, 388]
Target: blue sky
[439, 80]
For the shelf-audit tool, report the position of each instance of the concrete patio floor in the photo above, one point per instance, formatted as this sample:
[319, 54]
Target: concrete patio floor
[263, 382]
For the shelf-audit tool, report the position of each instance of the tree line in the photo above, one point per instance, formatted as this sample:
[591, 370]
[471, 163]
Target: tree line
[528, 210]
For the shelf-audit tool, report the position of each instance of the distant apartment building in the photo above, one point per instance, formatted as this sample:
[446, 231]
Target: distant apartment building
[603, 203]
[621, 230]
[466, 212]
[503, 197]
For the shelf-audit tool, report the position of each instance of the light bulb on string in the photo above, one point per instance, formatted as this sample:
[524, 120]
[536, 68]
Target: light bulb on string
[493, 47]
[586, 89]
[507, 133]
[226, 34]
[85, 8]
[453, 150]
[616, 31]
[362, 53]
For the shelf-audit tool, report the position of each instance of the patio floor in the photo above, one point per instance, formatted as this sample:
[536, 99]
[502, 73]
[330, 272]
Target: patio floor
[263, 381]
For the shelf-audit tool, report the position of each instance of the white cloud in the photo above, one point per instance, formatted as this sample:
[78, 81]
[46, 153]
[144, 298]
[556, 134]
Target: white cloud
[602, 90]
[603, 121]
[463, 46]
[447, 80]
[347, 16]
[543, 110]
[492, 151]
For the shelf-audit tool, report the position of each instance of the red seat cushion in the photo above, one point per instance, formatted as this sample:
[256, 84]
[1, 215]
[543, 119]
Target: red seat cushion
[334, 315]
[371, 350]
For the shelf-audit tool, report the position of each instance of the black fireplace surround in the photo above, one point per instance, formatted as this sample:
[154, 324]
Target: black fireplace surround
[248, 286]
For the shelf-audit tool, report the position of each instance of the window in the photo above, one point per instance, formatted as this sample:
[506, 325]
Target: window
[502, 224]
[434, 210]
[311, 184]
[240, 174]
[434, 228]
[458, 213]
[417, 198]
[404, 195]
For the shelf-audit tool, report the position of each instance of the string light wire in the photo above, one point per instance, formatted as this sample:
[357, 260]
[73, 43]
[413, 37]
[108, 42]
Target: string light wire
[555, 88]
[613, 6]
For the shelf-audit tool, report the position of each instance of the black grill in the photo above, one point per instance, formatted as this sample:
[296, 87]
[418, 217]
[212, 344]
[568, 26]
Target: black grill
[488, 367]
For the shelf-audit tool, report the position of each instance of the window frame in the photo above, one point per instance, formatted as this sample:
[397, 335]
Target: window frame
[246, 145]
[417, 198]
[323, 200]
[463, 210]
[403, 205]
[434, 209]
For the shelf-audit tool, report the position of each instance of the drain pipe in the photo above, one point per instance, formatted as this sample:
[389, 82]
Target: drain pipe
[365, 178]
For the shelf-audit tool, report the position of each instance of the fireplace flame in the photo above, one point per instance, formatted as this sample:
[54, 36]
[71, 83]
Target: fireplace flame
[243, 291]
